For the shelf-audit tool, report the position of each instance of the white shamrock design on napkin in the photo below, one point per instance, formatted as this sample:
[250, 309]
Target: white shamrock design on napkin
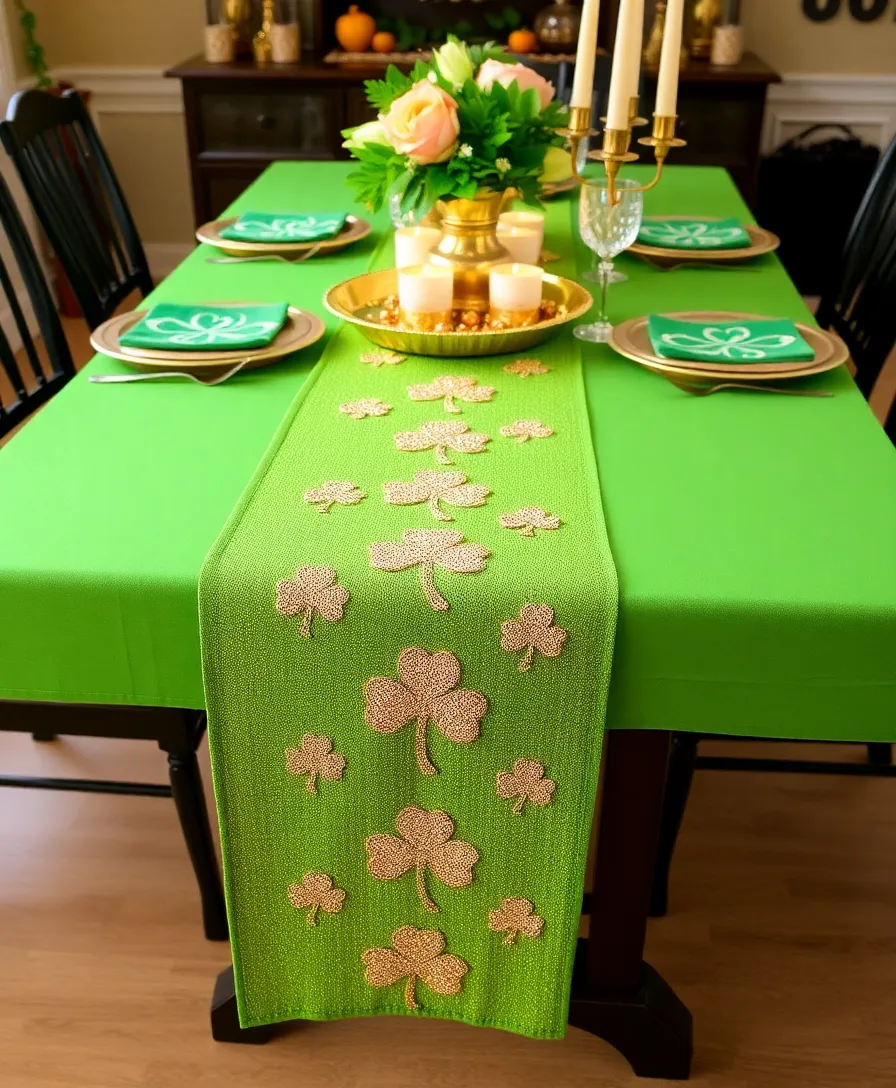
[688, 235]
[731, 343]
[310, 226]
[207, 327]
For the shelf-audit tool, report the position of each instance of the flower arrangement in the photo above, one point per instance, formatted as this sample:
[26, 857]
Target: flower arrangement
[465, 122]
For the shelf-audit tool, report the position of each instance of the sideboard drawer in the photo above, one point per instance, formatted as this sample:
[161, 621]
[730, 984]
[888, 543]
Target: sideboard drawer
[299, 121]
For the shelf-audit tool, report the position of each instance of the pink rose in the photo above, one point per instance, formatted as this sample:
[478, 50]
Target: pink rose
[423, 124]
[493, 71]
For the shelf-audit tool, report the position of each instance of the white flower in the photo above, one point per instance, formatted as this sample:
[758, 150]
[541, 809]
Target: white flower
[464, 151]
[432, 77]
[370, 133]
[454, 63]
[503, 165]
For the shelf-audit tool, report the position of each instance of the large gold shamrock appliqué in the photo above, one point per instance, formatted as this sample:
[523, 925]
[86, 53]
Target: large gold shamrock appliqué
[315, 758]
[428, 549]
[424, 842]
[534, 630]
[426, 693]
[334, 493]
[312, 589]
[433, 487]
[515, 917]
[416, 954]
[527, 783]
[317, 893]
[441, 436]
[450, 389]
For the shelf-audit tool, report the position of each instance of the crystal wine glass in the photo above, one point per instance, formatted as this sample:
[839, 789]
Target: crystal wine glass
[607, 229]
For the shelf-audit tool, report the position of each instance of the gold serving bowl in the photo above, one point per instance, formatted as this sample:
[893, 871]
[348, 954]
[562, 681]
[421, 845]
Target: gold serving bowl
[354, 300]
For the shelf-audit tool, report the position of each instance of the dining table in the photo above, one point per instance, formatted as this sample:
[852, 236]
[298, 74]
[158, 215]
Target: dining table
[754, 537]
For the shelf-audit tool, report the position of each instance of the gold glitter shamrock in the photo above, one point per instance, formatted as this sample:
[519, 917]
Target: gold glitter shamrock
[315, 758]
[367, 406]
[317, 892]
[415, 954]
[425, 842]
[528, 519]
[534, 630]
[527, 783]
[524, 429]
[426, 692]
[310, 590]
[442, 436]
[433, 487]
[427, 549]
[333, 492]
[447, 389]
[383, 358]
[515, 917]
[526, 367]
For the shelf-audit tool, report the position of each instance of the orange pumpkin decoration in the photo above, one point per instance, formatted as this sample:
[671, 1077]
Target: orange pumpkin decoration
[383, 42]
[522, 41]
[355, 30]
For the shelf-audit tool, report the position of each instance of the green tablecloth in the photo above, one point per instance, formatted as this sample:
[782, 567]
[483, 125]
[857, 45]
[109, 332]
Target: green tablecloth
[753, 535]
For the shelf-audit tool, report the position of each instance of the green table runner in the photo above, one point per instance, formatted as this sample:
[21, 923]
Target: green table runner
[407, 632]
[284, 227]
[693, 233]
[728, 341]
[170, 325]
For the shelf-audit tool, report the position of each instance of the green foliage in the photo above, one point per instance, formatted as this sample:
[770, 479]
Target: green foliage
[507, 20]
[34, 51]
[504, 135]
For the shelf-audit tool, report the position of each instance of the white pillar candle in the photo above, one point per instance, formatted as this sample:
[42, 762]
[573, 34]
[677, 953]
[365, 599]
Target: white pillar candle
[515, 288]
[529, 220]
[522, 243]
[412, 245]
[626, 62]
[583, 80]
[425, 295]
[670, 59]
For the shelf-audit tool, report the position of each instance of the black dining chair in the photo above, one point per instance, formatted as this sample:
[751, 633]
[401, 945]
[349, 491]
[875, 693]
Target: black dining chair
[31, 379]
[78, 199]
[859, 308]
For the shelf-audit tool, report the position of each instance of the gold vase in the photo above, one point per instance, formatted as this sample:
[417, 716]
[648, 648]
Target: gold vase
[470, 246]
[706, 16]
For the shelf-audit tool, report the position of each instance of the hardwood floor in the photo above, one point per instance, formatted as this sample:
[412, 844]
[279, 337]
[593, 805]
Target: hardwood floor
[781, 938]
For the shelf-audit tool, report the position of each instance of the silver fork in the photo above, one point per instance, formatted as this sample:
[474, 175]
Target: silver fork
[705, 390]
[217, 379]
[266, 257]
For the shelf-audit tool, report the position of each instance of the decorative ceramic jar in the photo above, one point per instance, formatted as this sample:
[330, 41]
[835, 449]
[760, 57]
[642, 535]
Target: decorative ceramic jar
[557, 26]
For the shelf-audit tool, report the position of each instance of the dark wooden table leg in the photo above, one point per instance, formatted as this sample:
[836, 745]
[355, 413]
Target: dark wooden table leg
[225, 1021]
[680, 775]
[615, 994]
[189, 797]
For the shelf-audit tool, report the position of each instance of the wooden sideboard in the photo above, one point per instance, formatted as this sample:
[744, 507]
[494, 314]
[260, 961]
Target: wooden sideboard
[240, 117]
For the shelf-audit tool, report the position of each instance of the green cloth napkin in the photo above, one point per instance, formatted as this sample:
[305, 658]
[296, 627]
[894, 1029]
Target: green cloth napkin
[407, 633]
[284, 227]
[693, 233]
[764, 341]
[176, 327]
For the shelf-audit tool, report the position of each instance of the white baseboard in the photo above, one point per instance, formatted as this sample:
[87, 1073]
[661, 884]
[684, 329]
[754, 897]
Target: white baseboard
[164, 257]
[866, 103]
[125, 90]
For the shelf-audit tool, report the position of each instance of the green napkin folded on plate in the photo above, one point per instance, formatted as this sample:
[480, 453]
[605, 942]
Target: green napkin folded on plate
[172, 326]
[762, 341]
[284, 227]
[693, 234]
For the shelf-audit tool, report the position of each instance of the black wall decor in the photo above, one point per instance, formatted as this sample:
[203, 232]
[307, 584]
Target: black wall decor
[863, 11]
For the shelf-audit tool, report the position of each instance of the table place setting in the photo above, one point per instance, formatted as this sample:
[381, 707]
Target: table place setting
[284, 236]
[670, 242]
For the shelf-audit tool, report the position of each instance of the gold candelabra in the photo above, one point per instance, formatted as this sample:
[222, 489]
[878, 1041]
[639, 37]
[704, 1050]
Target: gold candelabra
[617, 144]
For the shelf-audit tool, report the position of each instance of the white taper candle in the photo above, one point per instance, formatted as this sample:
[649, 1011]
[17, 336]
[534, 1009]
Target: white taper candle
[626, 62]
[583, 80]
[670, 59]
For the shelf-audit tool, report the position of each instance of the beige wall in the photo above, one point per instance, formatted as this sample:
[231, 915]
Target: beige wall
[149, 149]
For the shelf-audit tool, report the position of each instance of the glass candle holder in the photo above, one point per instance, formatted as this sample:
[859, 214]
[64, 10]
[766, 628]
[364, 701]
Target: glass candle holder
[522, 243]
[514, 294]
[219, 42]
[425, 298]
[286, 34]
[413, 245]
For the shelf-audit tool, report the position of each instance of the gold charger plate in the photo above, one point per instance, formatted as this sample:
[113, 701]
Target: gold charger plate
[351, 301]
[632, 340]
[353, 231]
[300, 330]
[761, 241]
